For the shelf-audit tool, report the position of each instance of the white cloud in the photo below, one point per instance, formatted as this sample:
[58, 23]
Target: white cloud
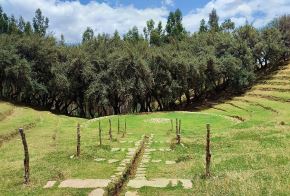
[167, 2]
[258, 12]
[71, 18]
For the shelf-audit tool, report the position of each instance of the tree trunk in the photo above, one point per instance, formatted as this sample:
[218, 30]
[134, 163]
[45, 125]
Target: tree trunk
[100, 133]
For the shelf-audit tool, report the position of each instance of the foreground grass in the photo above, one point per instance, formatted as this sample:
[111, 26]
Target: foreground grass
[250, 147]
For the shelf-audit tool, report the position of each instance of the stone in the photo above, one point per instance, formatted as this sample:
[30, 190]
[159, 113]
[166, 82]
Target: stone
[112, 161]
[169, 162]
[72, 156]
[130, 193]
[138, 183]
[87, 183]
[97, 192]
[156, 161]
[49, 184]
[119, 169]
[99, 159]
[187, 184]
[122, 142]
[115, 149]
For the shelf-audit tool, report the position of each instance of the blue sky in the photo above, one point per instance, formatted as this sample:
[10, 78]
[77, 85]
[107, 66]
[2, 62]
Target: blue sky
[72, 17]
[184, 5]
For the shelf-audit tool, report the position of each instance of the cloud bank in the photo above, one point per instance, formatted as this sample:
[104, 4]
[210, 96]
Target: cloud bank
[71, 18]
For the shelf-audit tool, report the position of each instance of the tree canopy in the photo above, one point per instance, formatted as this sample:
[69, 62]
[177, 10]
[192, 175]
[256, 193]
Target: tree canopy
[160, 69]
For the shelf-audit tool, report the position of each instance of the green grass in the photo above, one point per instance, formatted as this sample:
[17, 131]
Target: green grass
[248, 158]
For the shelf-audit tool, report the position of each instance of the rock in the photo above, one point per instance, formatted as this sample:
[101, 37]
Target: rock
[72, 156]
[99, 159]
[169, 162]
[112, 161]
[49, 184]
[87, 183]
[130, 193]
[115, 149]
[97, 192]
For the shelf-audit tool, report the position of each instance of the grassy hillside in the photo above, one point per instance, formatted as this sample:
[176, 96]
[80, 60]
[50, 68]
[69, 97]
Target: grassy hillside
[250, 146]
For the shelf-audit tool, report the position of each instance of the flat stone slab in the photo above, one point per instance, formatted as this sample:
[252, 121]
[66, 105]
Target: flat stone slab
[87, 183]
[49, 184]
[112, 161]
[156, 161]
[115, 149]
[99, 159]
[170, 162]
[159, 183]
[130, 193]
[97, 192]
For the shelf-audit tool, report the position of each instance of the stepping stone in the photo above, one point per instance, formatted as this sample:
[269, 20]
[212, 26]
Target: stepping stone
[130, 193]
[158, 183]
[97, 192]
[161, 149]
[156, 161]
[168, 149]
[88, 183]
[145, 161]
[169, 162]
[100, 159]
[122, 142]
[120, 169]
[72, 156]
[115, 149]
[112, 161]
[187, 184]
[49, 184]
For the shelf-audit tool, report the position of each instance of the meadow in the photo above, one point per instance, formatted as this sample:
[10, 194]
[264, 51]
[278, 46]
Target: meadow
[250, 136]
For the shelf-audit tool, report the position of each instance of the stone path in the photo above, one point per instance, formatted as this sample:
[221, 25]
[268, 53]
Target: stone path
[141, 169]
[86, 183]
[97, 192]
[140, 179]
[159, 183]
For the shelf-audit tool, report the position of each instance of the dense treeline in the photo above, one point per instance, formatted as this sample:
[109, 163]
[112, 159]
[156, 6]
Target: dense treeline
[154, 70]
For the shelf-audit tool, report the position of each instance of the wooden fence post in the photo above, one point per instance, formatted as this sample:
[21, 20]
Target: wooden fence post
[78, 140]
[110, 130]
[125, 130]
[176, 126]
[26, 156]
[179, 133]
[100, 133]
[207, 149]
[118, 125]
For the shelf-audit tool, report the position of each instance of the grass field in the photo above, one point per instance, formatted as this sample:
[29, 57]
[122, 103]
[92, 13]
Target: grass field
[250, 146]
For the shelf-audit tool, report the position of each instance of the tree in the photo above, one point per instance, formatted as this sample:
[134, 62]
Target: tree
[174, 27]
[213, 21]
[228, 25]
[40, 23]
[88, 34]
[203, 27]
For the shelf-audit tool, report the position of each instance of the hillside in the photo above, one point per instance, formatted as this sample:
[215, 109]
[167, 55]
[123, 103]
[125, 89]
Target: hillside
[250, 147]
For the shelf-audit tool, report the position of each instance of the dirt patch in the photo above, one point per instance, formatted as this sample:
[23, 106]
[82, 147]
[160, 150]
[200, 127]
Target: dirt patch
[269, 97]
[236, 106]
[4, 115]
[258, 104]
[157, 120]
[10, 136]
[272, 89]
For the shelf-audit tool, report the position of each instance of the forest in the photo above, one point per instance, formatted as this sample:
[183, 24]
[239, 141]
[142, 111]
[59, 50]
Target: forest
[158, 68]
